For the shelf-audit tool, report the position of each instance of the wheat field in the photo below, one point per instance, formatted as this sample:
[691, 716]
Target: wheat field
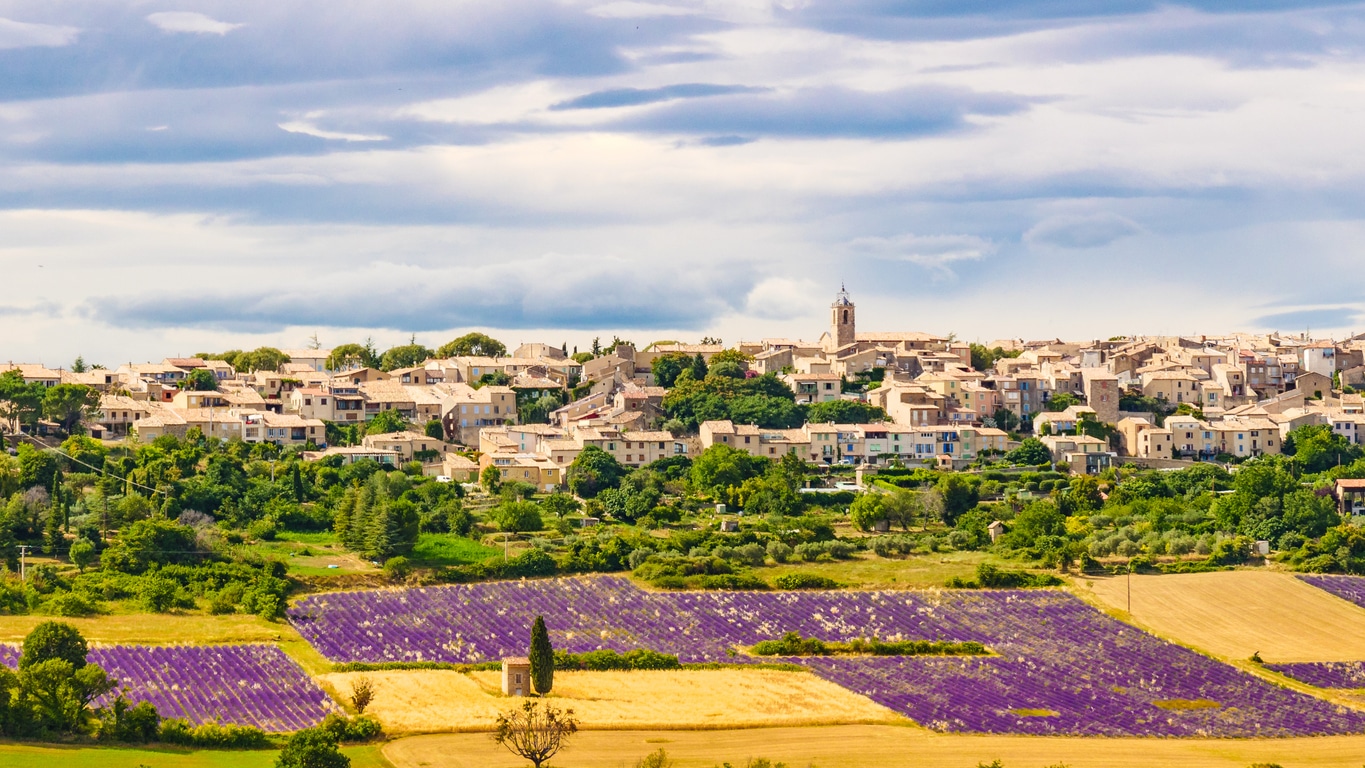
[1234, 614]
[883, 746]
[425, 701]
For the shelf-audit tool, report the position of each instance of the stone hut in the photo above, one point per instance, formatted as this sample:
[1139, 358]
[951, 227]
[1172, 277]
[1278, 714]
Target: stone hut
[516, 676]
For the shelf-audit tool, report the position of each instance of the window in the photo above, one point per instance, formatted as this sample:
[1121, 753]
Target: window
[746, 439]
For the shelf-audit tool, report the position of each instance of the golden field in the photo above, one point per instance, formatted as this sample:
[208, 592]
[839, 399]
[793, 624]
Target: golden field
[425, 701]
[883, 746]
[1234, 614]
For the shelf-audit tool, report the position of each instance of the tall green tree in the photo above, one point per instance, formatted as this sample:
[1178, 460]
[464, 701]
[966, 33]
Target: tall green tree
[594, 470]
[404, 356]
[542, 656]
[352, 355]
[699, 369]
[472, 345]
[667, 367]
[199, 380]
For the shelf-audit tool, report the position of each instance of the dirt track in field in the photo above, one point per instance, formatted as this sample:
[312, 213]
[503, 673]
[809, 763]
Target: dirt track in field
[1237, 613]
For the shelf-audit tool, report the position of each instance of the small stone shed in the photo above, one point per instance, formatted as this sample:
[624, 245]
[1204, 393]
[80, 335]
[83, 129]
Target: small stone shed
[516, 676]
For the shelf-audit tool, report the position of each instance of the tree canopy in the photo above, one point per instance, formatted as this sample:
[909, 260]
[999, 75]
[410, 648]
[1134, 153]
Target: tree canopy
[472, 345]
[404, 356]
[844, 412]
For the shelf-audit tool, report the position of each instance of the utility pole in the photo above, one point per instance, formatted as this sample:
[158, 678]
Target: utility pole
[1130, 587]
[23, 569]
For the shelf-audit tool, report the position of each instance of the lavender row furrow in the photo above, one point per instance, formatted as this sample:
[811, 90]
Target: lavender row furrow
[241, 684]
[1325, 674]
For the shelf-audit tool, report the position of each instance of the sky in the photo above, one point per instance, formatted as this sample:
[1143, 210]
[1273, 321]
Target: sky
[178, 177]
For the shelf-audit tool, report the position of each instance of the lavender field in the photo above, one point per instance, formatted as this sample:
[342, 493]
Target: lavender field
[241, 684]
[1062, 667]
[1325, 674]
[1351, 588]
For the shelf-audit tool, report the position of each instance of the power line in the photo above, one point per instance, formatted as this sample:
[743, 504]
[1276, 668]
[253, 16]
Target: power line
[101, 470]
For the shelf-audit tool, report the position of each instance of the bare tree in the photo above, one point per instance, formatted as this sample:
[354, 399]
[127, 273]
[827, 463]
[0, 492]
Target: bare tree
[535, 732]
[362, 693]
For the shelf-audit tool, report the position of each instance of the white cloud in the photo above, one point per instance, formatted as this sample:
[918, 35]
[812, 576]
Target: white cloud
[934, 252]
[784, 298]
[625, 9]
[18, 34]
[308, 129]
[1081, 231]
[189, 21]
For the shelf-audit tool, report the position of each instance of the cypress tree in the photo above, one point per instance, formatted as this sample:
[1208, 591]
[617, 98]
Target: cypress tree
[542, 657]
[298, 484]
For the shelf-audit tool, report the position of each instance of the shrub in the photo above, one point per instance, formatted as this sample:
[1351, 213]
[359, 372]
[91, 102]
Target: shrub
[179, 731]
[753, 554]
[733, 581]
[397, 568]
[804, 581]
[608, 660]
[312, 748]
[993, 577]
[70, 604]
[779, 552]
[341, 728]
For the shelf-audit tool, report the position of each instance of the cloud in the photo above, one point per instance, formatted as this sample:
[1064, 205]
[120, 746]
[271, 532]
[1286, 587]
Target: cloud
[1083, 231]
[550, 291]
[937, 253]
[724, 141]
[42, 308]
[1318, 318]
[783, 298]
[630, 97]
[189, 21]
[17, 34]
[308, 129]
[831, 112]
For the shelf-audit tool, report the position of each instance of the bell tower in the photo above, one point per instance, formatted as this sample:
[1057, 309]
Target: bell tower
[843, 317]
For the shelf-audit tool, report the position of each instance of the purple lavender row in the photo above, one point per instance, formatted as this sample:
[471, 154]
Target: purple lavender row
[241, 684]
[1063, 667]
[1350, 588]
[1325, 674]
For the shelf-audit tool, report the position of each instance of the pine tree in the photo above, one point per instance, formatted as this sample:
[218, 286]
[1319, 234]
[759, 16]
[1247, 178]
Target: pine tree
[699, 367]
[542, 657]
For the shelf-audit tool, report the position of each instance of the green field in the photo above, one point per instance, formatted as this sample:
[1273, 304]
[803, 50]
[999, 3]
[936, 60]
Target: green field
[433, 549]
[32, 756]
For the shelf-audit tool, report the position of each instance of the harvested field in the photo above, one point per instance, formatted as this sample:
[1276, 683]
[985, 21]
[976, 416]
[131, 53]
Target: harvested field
[873, 746]
[159, 628]
[1237, 613]
[414, 701]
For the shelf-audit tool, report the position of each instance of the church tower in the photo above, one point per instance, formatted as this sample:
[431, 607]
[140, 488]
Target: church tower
[842, 314]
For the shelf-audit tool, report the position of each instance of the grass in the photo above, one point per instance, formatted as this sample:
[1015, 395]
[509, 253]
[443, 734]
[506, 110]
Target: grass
[34, 756]
[870, 571]
[424, 701]
[1234, 614]
[323, 550]
[449, 549]
[882, 746]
